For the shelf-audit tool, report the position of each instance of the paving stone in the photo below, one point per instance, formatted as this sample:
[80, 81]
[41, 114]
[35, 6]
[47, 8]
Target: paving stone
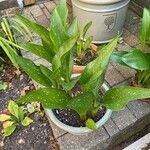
[125, 71]
[46, 12]
[125, 33]
[139, 108]
[123, 118]
[82, 142]
[50, 6]
[5, 4]
[132, 40]
[111, 127]
[36, 11]
[56, 2]
[43, 20]
[123, 47]
[113, 76]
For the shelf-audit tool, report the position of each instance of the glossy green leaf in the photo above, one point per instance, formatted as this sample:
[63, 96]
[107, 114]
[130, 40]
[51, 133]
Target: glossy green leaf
[20, 113]
[93, 74]
[87, 42]
[136, 59]
[145, 27]
[90, 123]
[27, 121]
[49, 97]
[82, 103]
[13, 108]
[33, 71]
[117, 98]
[9, 130]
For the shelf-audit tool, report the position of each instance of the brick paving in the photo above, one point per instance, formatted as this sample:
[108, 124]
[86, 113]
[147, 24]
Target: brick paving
[122, 124]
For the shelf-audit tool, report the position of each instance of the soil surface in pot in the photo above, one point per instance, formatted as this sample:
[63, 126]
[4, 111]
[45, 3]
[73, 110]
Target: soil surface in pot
[72, 118]
[38, 135]
[87, 58]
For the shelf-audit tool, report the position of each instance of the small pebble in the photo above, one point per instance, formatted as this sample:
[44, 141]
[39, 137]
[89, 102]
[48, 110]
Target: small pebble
[1, 144]
[21, 141]
[32, 128]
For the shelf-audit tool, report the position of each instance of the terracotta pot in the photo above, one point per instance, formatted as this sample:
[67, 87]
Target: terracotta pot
[78, 69]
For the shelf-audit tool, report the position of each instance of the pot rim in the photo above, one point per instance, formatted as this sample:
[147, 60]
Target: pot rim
[77, 130]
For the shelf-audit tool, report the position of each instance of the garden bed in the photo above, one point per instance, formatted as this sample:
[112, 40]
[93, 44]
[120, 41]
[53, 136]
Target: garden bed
[36, 136]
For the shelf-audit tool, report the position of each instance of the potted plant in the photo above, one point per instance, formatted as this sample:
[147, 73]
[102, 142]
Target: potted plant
[138, 59]
[79, 97]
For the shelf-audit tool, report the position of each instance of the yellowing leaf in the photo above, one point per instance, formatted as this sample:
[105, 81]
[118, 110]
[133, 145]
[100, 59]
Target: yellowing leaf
[9, 130]
[13, 108]
[27, 121]
[4, 117]
[7, 124]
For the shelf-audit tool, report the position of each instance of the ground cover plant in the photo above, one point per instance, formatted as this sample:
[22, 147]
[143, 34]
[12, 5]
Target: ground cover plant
[57, 47]
[138, 59]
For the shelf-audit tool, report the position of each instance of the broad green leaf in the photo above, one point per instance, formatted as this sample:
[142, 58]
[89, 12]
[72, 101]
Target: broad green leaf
[86, 28]
[94, 73]
[65, 48]
[13, 108]
[136, 59]
[82, 103]
[145, 27]
[6, 124]
[63, 11]
[27, 121]
[40, 30]
[38, 50]
[45, 71]
[117, 98]
[4, 117]
[49, 97]
[57, 30]
[90, 123]
[3, 86]
[33, 71]
[9, 130]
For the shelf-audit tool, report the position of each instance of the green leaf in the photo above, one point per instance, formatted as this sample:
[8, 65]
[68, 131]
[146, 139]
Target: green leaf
[117, 98]
[3, 86]
[137, 59]
[13, 108]
[73, 28]
[9, 130]
[63, 11]
[90, 123]
[49, 97]
[94, 73]
[27, 121]
[38, 50]
[40, 30]
[33, 71]
[20, 113]
[86, 28]
[145, 27]
[82, 103]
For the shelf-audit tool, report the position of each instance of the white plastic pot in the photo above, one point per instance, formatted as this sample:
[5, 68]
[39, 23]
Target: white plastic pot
[108, 17]
[79, 130]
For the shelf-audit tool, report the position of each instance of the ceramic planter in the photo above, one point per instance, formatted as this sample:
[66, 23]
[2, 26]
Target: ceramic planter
[79, 130]
[108, 17]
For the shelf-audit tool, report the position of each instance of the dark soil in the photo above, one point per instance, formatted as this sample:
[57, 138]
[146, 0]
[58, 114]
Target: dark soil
[72, 118]
[87, 58]
[38, 135]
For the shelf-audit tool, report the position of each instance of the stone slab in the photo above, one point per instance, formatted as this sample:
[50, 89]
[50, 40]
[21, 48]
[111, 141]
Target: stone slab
[50, 6]
[5, 4]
